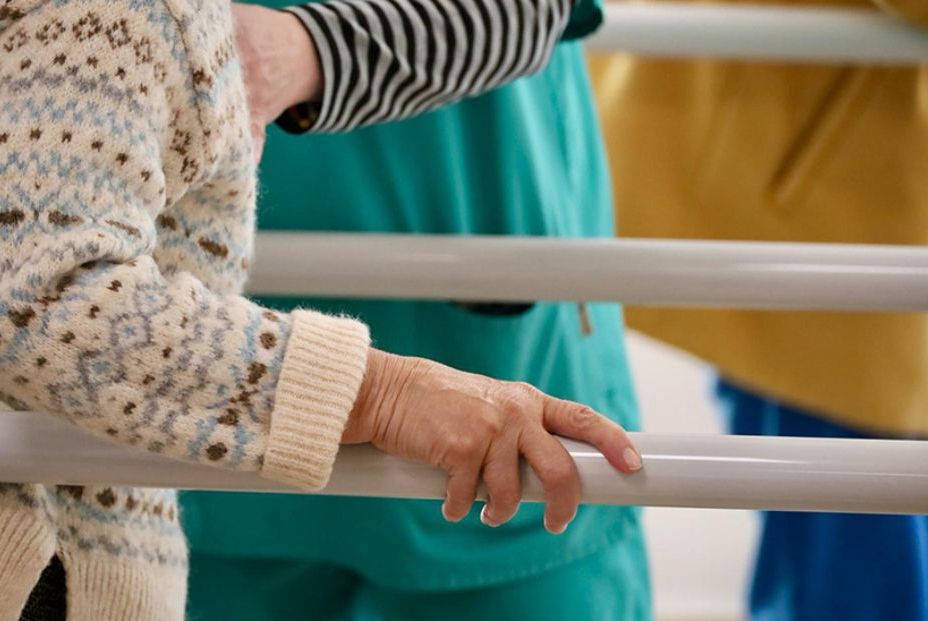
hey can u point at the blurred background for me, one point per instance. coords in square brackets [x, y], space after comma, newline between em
[700, 557]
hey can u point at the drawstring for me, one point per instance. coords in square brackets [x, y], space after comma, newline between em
[586, 325]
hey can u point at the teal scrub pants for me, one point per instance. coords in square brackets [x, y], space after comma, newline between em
[263, 589]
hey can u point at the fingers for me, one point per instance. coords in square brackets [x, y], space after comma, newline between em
[501, 477]
[461, 492]
[573, 420]
[489, 425]
[558, 475]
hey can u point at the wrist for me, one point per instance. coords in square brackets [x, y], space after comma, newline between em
[360, 426]
[302, 60]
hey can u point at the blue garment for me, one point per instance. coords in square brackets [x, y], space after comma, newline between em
[829, 566]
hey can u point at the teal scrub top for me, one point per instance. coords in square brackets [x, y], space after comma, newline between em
[525, 159]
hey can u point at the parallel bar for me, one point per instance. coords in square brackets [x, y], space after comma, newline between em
[797, 474]
[760, 33]
[636, 272]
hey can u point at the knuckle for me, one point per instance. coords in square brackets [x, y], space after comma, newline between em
[582, 417]
[522, 401]
[463, 446]
[513, 411]
[560, 473]
[491, 423]
[525, 391]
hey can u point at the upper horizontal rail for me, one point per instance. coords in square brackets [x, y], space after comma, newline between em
[798, 474]
[781, 33]
[637, 272]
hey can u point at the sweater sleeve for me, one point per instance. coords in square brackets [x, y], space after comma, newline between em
[384, 60]
[121, 125]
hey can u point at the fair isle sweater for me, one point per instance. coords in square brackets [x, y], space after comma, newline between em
[126, 223]
[127, 195]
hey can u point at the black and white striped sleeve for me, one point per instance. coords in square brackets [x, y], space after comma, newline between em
[384, 60]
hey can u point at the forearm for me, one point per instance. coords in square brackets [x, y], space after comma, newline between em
[383, 61]
[166, 365]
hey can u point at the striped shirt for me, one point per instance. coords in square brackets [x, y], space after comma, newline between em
[384, 60]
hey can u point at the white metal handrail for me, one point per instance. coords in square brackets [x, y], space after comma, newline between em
[677, 29]
[639, 272]
[798, 474]
[867, 476]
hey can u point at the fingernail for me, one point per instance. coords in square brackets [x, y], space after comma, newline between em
[632, 459]
[444, 512]
[485, 519]
[551, 530]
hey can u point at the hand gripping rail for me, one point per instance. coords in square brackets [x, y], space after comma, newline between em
[762, 32]
[867, 476]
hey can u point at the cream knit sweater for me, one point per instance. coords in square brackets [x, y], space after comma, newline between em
[126, 225]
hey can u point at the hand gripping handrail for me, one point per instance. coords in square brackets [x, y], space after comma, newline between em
[867, 476]
[761, 32]
[799, 474]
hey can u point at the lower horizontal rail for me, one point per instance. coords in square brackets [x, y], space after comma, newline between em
[732, 472]
[636, 272]
[761, 32]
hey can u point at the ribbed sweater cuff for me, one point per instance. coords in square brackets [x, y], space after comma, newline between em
[27, 543]
[102, 588]
[321, 375]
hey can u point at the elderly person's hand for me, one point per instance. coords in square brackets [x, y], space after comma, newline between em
[473, 426]
[279, 61]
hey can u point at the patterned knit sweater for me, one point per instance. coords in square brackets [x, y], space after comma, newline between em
[126, 225]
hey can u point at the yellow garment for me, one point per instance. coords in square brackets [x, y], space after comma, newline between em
[815, 153]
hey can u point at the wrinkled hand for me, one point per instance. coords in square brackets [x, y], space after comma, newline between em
[280, 64]
[473, 426]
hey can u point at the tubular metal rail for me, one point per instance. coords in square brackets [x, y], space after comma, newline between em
[781, 33]
[639, 272]
[697, 471]
[799, 474]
